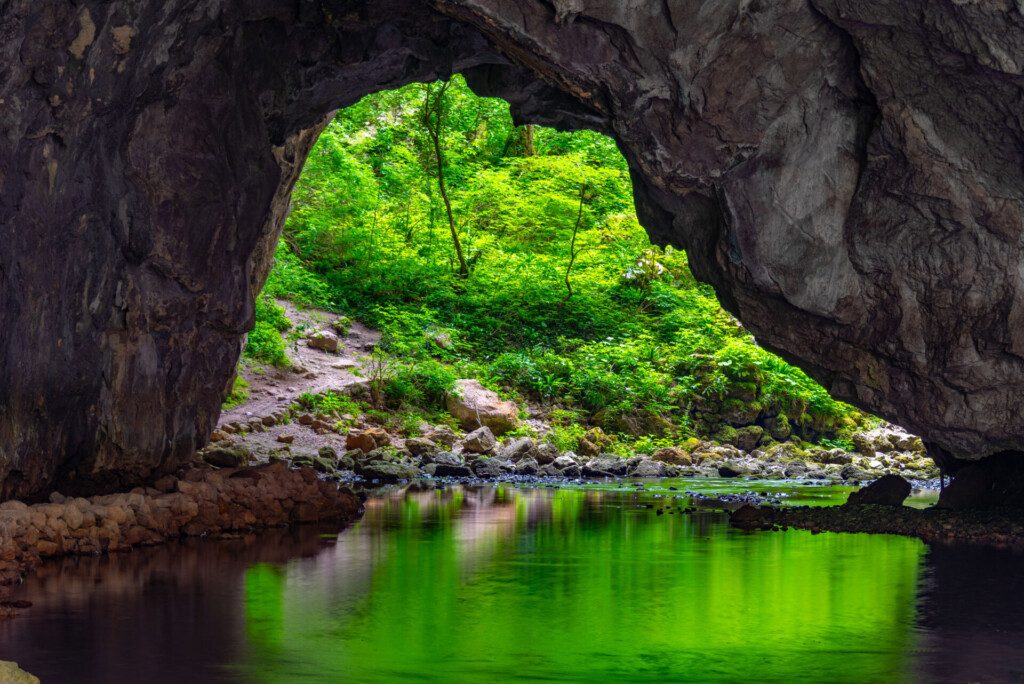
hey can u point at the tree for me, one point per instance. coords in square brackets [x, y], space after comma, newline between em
[573, 251]
[433, 120]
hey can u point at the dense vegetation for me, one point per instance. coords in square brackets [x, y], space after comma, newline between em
[513, 255]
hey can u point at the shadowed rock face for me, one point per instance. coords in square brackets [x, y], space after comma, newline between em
[849, 175]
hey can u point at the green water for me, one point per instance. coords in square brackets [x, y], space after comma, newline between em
[584, 584]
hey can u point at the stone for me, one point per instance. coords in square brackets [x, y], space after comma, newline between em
[420, 446]
[779, 428]
[647, 468]
[442, 435]
[231, 456]
[588, 448]
[367, 440]
[445, 470]
[605, 466]
[480, 441]
[747, 438]
[285, 438]
[518, 449]
[549, 470]
[487, 468]
[851, 473]
[564, 461]
[735, 468]
[673, 456]
[526, 466]
[475, 406]
[447, 458]
[889, 490]
[386, 471]
[218, 436]
[324, 340]
[545, 453]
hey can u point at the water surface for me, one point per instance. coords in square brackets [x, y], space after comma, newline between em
[496, 583]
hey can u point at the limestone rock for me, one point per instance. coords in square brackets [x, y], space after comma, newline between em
[480, 441]
[386, 471]
[673, 456]
[231, 456]
[474, 406]
[367, 440]
[324, 340]
[890, 490]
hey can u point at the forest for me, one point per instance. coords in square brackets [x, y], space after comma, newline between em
[513, 255]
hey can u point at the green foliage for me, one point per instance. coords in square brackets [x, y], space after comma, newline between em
[637, 347]
[266, 344]
[239, 393]
[329, 403]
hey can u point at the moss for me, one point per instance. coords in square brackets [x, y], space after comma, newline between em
[238, 395]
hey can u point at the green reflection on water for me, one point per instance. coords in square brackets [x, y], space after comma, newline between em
[502, 583]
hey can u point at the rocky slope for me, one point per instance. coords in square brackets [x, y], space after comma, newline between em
[849, 175]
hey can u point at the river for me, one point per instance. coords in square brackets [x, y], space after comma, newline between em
[504, 583]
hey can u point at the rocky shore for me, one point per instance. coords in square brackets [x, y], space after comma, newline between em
[349, 449]
[999, 528]
[199, 502]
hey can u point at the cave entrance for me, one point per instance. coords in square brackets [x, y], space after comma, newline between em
[512, 254]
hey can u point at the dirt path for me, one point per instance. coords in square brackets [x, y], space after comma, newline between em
[275, 389]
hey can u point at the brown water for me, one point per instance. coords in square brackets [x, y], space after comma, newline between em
[506, 584]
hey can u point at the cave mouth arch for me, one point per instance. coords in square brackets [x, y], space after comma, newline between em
[565, 301]
[153, 147]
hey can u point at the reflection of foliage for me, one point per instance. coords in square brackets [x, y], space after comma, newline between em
[595, 572]
[264, 606]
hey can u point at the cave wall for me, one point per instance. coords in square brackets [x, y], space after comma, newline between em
[848, 175]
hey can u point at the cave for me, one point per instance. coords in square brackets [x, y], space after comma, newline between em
[848, 176]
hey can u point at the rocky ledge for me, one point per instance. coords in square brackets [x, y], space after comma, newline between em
[200, 501]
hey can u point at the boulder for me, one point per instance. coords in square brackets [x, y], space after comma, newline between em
[324, 340]
[647, 468]
[890, 490]
[446, 470]
[285, 438]
[480, 441]
[228, 456]
[747, 438]
[736, 468]
[527, 466]
[605, 466]
[386, 471]
[447, 458]
[545, 453]
[442, 435]
[549, 470]
[487, 468]
[779, 427]
[673, 456]
[564, 461]
[475, 406]
[851, 473]
[367, 440]
[518, 449]
[420, 446]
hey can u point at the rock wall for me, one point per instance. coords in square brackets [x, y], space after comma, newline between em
[848, 175]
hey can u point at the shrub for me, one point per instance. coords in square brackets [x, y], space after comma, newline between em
[266, 344]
